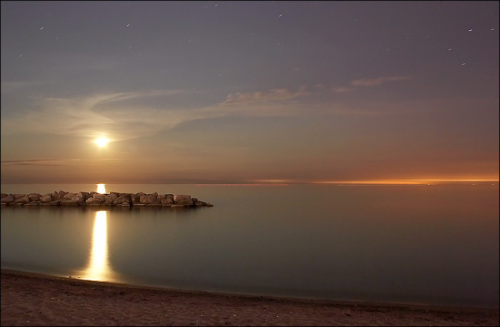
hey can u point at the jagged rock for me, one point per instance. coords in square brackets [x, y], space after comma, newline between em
[7, 199]
[21, 199]
[80, 197]
[98, 198]
[55, 195]
[34, 196]
[67, 196]
[62, 198]
[183, 200]
[110, 198]
[149, 198]
[167, 201]
[136, 198]
[122, 200]
[46, 198]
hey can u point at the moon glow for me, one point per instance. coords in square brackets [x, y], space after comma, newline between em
[101, 142]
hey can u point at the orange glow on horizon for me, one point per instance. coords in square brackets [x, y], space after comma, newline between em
[422, 181]
[245, 184]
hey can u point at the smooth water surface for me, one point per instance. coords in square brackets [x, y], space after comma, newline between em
[413, 244]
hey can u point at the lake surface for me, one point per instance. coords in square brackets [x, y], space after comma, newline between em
[434, 244]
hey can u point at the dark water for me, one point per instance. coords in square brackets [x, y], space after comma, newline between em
[412, 244]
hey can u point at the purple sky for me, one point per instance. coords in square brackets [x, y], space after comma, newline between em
[243, 92]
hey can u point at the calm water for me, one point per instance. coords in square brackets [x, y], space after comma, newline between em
[412, 244]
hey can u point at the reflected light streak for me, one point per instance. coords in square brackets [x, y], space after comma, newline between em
[98, 267]
[101, 188]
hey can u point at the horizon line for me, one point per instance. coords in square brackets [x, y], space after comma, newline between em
[420, 181]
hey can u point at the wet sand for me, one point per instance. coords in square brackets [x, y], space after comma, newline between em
[33, 299]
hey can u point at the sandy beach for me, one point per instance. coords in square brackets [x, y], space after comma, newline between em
[33, 299]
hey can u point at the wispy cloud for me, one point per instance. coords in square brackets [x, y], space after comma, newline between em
[131, 115]
[342, 89]
[94, 115]
[378, 80]
[281, 94]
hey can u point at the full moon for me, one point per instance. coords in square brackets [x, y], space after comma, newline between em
[101, 142]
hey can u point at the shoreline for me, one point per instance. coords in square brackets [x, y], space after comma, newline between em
[38, 299]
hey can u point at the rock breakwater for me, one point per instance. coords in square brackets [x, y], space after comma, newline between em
[63, 198]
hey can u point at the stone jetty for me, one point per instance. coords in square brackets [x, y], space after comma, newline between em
[63, 198]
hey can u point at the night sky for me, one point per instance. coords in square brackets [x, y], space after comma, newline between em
[249, 92]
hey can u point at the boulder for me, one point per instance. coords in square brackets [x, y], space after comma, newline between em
[46, 198]
[21, 199]
[73, 198]
[67, 196]
[167, 202]
[96, 199]
[149, 198]
[183, 200]
[136, 198]
[85, 196]
[55, 195]
[110, 198]
[122, 199]
[80, 197]
[34, 196]
[7, 199]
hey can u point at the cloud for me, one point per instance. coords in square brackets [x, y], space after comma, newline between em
[378, 80]
[131, 115]
[96, 114]
[342, 89]
[274, 95]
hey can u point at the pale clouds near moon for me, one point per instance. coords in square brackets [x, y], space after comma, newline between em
[113, 114]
